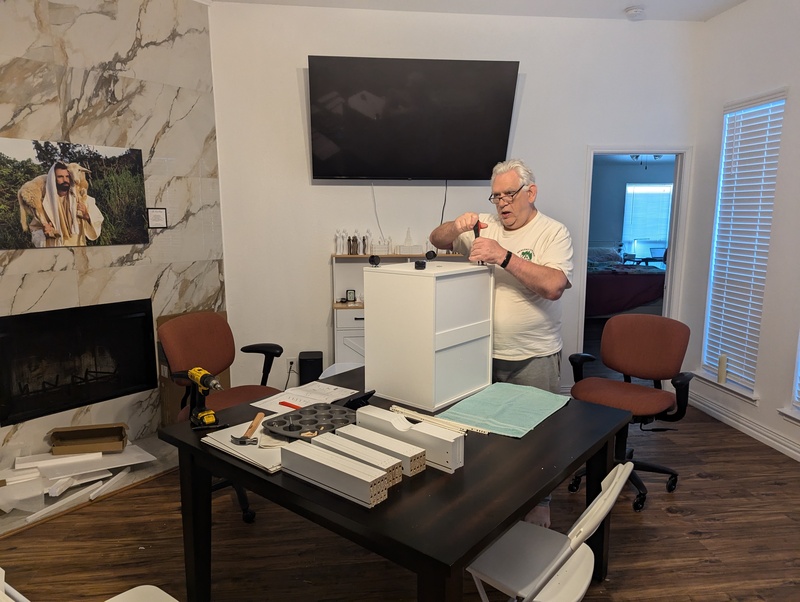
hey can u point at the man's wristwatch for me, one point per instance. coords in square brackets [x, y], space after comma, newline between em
[506, 260]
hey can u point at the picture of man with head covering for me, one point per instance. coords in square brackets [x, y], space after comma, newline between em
[64, 215]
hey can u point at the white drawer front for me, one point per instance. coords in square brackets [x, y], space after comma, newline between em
[349, 318]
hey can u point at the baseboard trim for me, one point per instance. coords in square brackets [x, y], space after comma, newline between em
[757, 431]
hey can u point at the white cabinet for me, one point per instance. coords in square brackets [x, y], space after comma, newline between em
[347, 273]
[349, 334]
[428, 332]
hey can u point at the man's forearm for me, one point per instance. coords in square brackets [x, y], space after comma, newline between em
[444, 236]
[545, 281]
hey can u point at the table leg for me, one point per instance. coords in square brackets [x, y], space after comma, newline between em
[597, 467]
[436, 587]
[196, 516]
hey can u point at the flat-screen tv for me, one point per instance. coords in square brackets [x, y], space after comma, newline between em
[409, 119]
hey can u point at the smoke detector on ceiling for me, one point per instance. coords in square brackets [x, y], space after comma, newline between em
[635, 13]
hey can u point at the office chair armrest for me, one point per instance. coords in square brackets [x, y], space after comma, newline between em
[270, 351]
[681, 384]
[682, 380]
[577, 360]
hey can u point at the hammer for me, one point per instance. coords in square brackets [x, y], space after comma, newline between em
[247, 438]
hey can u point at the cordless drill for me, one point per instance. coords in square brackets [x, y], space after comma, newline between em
[201, 416]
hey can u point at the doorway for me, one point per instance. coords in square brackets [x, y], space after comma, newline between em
[633, 205]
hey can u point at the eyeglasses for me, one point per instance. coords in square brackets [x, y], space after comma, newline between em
[506, 197]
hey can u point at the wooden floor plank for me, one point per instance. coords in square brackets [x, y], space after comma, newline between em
[730, 532]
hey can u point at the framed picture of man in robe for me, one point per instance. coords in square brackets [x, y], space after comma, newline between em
[59, 194]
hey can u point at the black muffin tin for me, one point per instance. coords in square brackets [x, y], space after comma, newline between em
[310, 421]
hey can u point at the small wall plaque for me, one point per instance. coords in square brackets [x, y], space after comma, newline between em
[156, 218]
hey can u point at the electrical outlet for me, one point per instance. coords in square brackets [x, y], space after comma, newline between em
[291, 365]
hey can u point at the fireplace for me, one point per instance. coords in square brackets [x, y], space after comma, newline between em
[68, 358]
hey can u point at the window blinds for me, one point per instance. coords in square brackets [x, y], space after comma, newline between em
[745, 196]
[646, 218]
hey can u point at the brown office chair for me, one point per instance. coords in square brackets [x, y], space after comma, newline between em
[646, 347]
[204, 340]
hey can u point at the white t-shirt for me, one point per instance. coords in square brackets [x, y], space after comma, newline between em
[525, 324]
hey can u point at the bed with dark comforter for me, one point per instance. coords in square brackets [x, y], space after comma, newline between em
[613, 287]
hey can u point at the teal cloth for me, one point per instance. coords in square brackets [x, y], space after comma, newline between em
[506, 409]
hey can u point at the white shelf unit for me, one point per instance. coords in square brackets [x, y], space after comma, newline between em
[347, 273]
[428, 332]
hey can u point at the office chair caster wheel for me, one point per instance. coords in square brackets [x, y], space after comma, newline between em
[638, 503]
[249, 516]
[574, 485]
[672, 483]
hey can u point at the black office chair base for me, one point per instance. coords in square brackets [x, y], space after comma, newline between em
[672, 483]
[622, 454]
[248, 516]
[634, 479]
[641, 496]
[641, 491]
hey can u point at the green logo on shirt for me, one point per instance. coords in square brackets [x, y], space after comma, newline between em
[526, 254]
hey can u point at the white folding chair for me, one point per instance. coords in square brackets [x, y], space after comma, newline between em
[143, 593]
[535, 564]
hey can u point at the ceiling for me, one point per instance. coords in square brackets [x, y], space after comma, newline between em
[654, 10]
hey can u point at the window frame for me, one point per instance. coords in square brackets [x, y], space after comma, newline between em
[738, 264]
[648, 191]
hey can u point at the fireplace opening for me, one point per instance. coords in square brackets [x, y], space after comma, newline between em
[68, 358]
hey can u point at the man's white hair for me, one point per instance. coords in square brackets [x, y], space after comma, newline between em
[524, 172]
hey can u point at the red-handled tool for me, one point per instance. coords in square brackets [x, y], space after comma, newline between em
[289, 404]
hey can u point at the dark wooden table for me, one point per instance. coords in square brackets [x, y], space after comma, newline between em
[433, 523]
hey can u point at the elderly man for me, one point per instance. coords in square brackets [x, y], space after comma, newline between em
[70, 220]
[535, 254]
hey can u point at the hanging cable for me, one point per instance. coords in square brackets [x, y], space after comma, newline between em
[444, 203]
[375, 207]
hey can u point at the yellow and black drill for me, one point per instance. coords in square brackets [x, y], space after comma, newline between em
[201, 416]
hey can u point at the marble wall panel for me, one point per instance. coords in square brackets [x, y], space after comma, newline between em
[187, 134]
[192, 286]
[38, 291]
[35, 260]
[195, 229]
[26, 33]
[30, 105]
[123, 73]
[141, 412]
[168, 43]
[175, 45]
[100, 107]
